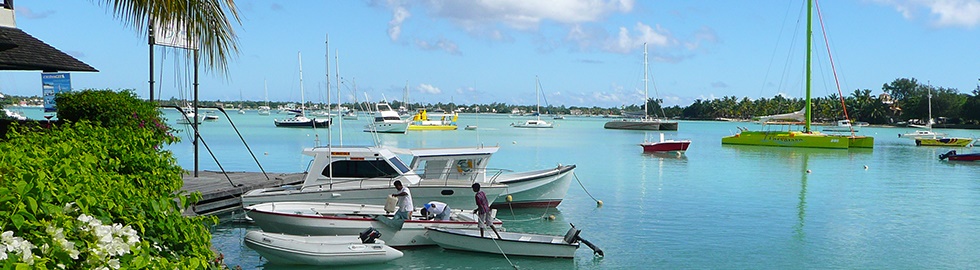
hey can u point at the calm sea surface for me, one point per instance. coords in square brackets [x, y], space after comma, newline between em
[717, 206]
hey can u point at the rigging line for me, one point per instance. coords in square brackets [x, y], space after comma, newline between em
[832, 68]
[773, 57]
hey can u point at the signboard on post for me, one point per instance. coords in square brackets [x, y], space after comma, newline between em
[53, 83]
[172, 35]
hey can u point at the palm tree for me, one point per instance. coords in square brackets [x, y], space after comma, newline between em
[205, 22]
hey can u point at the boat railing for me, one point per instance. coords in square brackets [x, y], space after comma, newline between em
[330, 182]
[472, 176]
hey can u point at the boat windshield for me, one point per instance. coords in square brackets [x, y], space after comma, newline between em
[361, 169]
[398, 163]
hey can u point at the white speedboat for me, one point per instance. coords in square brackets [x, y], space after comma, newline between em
[386, 120]
[510, 243]
[922, 134]
[841, 126]
[538, 188]
[365, 175]
[308, 218]
[321, 250]
[301, 121]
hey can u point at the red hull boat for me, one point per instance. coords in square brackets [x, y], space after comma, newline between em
[951, 155]
[666, 145]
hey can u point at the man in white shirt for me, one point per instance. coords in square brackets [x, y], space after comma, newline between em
[405, 206]
[436, 210]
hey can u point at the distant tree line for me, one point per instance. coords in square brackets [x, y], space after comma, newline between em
[903, 100]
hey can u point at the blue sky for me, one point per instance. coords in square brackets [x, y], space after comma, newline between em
[585, 52]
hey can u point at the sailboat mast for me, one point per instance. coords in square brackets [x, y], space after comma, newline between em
[809, 36]
[266, 83]
[929, 121]
[326, 62]
[537, 98]
[302, 94]
[340, 119]
[646, 91]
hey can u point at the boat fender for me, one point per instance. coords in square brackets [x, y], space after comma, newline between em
[368, 236]
[390, 204]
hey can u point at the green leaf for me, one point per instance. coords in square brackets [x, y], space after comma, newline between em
[18, 220]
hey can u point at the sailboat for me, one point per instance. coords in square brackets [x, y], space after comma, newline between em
[265, 109]
[930, 138]
[536, 123]
[300, 120]
[805, 138]
[645, 123]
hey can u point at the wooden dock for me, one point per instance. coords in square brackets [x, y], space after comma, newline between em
[219, 195]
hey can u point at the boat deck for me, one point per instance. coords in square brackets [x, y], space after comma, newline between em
[220, 195]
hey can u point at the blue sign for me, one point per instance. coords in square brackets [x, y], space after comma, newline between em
[52, 84]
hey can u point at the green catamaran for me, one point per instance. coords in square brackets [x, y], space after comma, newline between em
[804, 138]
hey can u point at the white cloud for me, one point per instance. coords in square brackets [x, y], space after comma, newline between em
[440, 45]
[398, 16]
[626, 41]
[522, 14]
[952, 13]
[719, 84]
[26, 12]
[429, 89]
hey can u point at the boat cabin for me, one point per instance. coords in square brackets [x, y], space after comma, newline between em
[468, 164]
[344, 164]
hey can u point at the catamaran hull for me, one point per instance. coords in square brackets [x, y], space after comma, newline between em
[543, 188]
[303, 124]
[334, 219]
[798, 139]
[457, 196]
[318, 250]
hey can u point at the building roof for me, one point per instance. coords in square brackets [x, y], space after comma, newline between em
[21, 51]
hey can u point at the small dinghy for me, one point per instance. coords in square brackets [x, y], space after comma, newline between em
[321, 250]
[511, 243]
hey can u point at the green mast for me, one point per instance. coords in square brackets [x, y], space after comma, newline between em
[809, 35]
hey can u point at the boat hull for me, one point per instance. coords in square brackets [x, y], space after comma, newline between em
[668, 125]
[521, 244]
[666, 146]
[432, 127]
[953, 142]
[787, 139]
[387, 127]
[543, 188]
[632, 125]
[301, 218]
[318, 250]
[458, 196]
[303, 124]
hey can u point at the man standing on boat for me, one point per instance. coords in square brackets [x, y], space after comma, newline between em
[436, 210]
[482, 211]
[405, 206]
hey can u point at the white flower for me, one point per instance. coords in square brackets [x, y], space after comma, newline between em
[84, 218]
[61, 265]
[3, 255]
[114, 263]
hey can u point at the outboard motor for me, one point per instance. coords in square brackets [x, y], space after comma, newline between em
[946, 155]
[368, 236]
[572, 236]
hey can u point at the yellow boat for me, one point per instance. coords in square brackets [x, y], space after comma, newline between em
[437, 120]
[943, 141]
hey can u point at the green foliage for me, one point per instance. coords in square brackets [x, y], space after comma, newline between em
[59, 185]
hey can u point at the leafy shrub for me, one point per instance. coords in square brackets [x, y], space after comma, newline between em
[88, 195]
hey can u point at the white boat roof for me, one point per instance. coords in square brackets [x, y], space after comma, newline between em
[351, 151]
[453, 151]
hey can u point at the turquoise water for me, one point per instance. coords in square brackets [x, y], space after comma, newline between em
[718, 206]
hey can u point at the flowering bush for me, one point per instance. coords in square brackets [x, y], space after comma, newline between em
[87, 195]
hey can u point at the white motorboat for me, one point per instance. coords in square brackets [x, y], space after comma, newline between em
[366, 175]
[309, 218]
[841, 126]
[922, 134]
[538, 188]
[386, 120]
[321, 250]
[437, 119]
[510, 243]
[210, 116]
[13, 115]
[189, 116]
